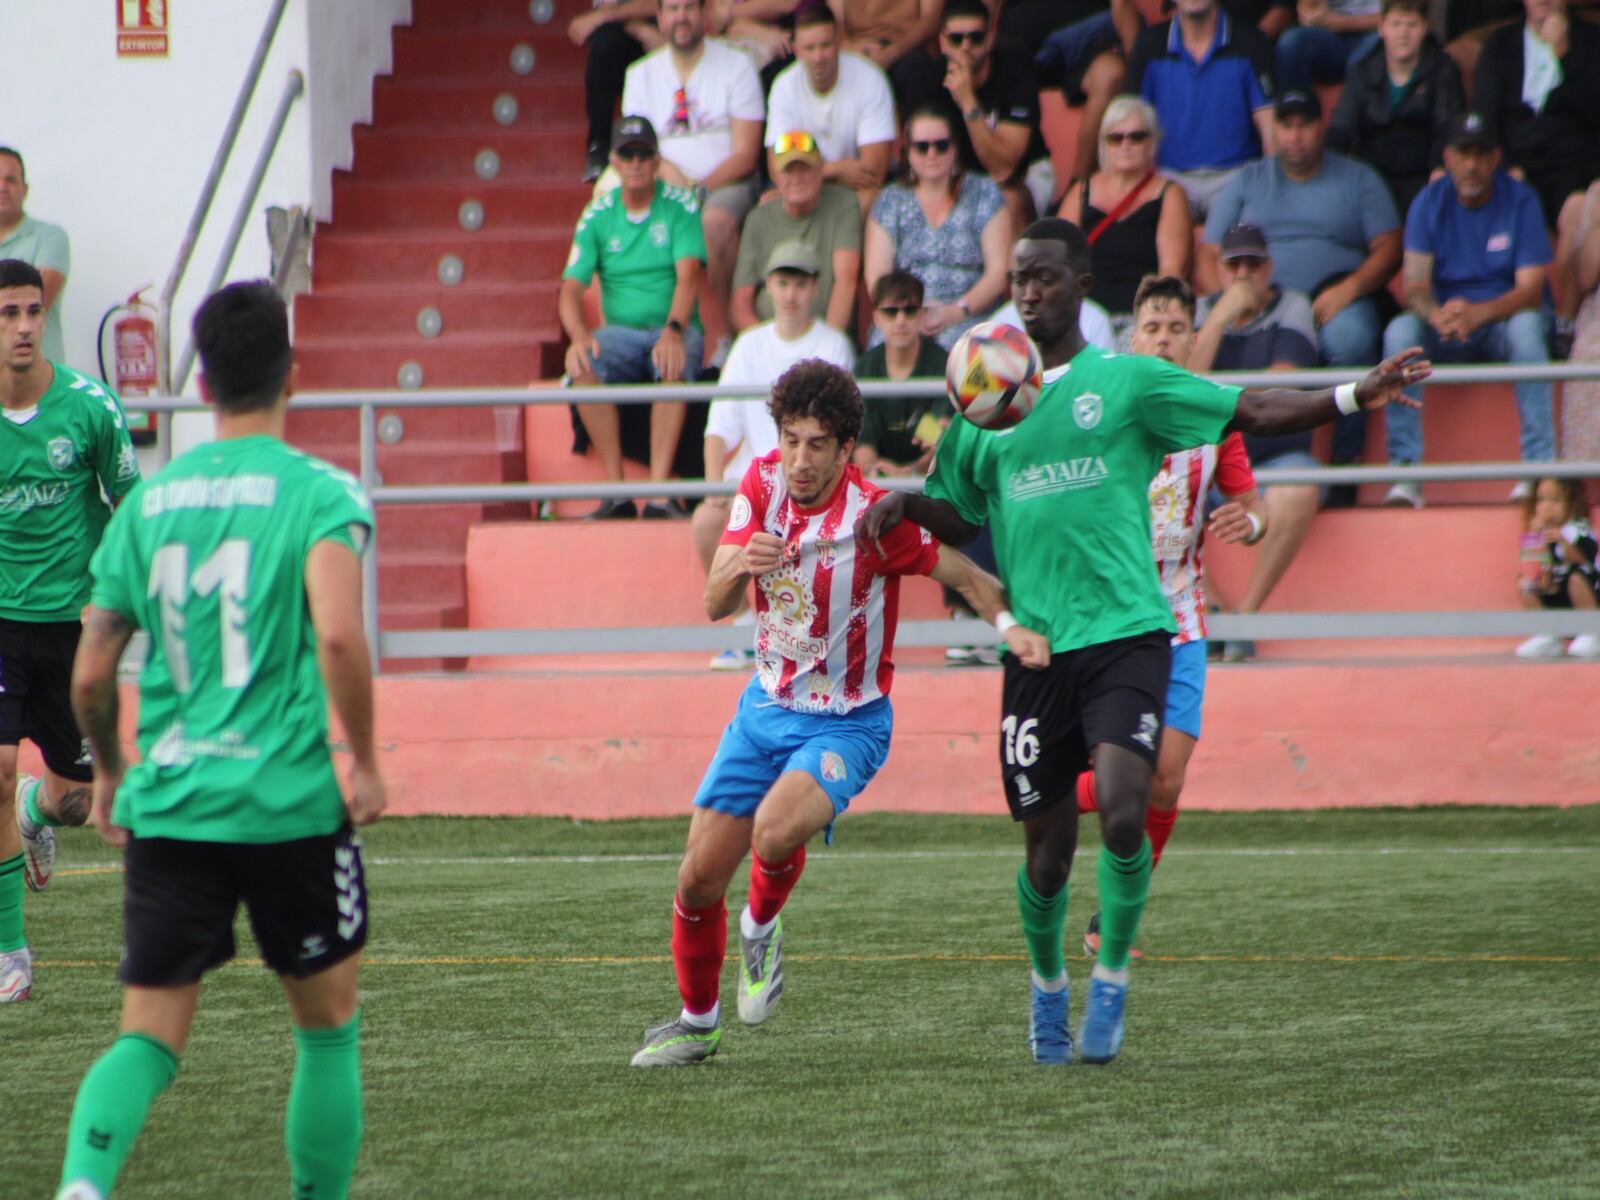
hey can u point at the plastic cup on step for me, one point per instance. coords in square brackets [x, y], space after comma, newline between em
[522, 59]
[470, 214]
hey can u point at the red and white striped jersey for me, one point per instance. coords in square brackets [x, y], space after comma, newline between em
[1177, 526]
[825, 619]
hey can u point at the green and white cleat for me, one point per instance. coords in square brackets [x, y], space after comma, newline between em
[677, 1044]
[760, 974]
[38, 851]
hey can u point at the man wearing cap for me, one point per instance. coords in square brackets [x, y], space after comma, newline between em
[738, 430]
[644, 239]
[1476, 252]
[1336, 237]
[824, 215]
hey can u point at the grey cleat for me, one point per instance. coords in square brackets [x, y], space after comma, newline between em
[38, 851]
[16, 976]
[677, 1044]
[760, 974]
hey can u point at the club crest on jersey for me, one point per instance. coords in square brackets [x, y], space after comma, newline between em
[833, 768]
[1087, 410]
[62, 453]
[658, 234]
[826, 553]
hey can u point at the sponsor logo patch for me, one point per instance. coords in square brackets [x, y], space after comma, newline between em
[739, 517]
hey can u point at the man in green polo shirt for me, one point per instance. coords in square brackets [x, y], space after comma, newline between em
[644, 239]
[40, 243]
[64, 451]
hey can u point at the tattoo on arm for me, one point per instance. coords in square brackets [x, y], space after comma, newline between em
[105, 636]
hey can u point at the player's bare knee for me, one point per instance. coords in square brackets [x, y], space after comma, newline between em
[1165, 788]
[1122, 828]
[698, 887]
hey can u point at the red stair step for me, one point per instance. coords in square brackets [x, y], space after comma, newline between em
[393, 311]
[484, 54]
[388, 258]
[553, 154]
[545, 98]
[337, 363]
[433, 208]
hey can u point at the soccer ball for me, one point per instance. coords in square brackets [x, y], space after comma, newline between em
[993, 375]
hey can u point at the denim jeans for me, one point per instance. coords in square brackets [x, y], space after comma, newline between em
[625, 354]
[1307, 56]
[1521, 339]
[1351, 339]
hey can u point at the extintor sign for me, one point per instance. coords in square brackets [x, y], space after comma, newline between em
[141, 28]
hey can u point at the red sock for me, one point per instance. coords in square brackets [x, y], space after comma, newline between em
[699, 943]
[1086, 800]
[771, 883]
[1158, 825]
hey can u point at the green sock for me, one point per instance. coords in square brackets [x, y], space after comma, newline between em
[112, 1102]
[11, 905]
[1124, 884]
[323, 1125]
[30, 805]
[1042, 922]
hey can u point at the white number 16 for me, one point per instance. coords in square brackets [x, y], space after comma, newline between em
[1022, 743]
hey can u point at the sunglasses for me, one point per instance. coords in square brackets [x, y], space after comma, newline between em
[1244, 262]
[894, 310]
[797, 142]
[973, 37]
[936, 146]
[1134, 136]
[636, 153]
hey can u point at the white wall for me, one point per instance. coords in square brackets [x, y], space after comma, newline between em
[117, 149]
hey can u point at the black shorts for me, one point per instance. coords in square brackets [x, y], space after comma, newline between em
[36, 693]
[1110, 694]
[307, 901]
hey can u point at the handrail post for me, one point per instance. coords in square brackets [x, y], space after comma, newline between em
[369, 561]
[295, 232]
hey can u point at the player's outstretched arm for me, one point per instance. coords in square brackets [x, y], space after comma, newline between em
[938, 517]
[987, 595]
[333, 592]
[1271, 411]
[733, 568]
[94, 702]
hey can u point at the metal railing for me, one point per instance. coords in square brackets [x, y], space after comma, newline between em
[449, 643]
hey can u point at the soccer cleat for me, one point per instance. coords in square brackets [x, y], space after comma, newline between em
[1540, 645]
[760, 974]
[733, 660]
[677, 1044]
[1049, 1039]
[16, 976]
[80, 1189]
[1100, 1035]
[38, 851]
[1091, 940]
[1585, 645]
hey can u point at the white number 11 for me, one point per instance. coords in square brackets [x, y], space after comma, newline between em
[227, 568]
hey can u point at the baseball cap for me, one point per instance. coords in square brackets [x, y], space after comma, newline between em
[1472, 128]
[1243, 241]
[1298, 104]
[634, 131]
[793, 255]
[796, 146]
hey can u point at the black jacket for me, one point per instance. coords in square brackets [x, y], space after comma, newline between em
[1403, 144]
[1565, 137]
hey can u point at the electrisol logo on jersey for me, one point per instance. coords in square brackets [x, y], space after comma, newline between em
[788, 616]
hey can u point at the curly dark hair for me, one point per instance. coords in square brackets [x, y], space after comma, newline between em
[814, 388]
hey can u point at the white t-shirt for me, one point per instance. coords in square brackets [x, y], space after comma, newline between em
[858, 112]
[758, 357]
[723, 88]
[1093, 323]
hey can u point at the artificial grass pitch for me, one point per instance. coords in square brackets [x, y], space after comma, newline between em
[1382, 1003]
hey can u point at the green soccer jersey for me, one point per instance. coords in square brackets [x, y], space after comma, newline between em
[57, 467]
[1066, 491]
[637, 257]
[209, 556]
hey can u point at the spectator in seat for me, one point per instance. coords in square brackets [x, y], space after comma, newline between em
[1209, 79]
[1081, 47]
[705, 101]
[739, 430]
[644, 239]
[1135, 219]
[1580, 398]
[899, 433]
[1254, 324]
[40, 244]
[1475, 260]
[1397, 102]
[893, 33]
[993, 99]
[844, 101]
[947, 227]
[1331, 35]
[1336, 237]
[823, 215]
[614, 34]
[1558, 548]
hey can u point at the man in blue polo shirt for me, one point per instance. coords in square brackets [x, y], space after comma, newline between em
[1475, 260]
[1210, 81]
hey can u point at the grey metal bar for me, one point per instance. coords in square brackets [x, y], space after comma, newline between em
[291, 247]
[1283, 627]
[208, 190]
[293, 88]
[369, 560]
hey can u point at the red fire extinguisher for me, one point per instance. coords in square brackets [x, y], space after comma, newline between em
[134, 354]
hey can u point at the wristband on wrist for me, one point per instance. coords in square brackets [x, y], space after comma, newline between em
[1255, 529]
[1003, 621]
[1344, 399]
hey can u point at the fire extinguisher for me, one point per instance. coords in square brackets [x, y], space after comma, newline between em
[134, 352]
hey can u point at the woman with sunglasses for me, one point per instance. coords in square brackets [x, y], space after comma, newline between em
[948, 228]
[1137, 221]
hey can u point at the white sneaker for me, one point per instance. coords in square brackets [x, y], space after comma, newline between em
[733, 660]
[1540, 645]
[1403, 495]
[38, 851]
[16, 976]
[1585, 645]
[1520, 491]
[959, 656]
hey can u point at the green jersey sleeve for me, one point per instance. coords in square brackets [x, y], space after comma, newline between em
[113, 457]
[115, 578]
[688, 237]
[1180, 410]
[954, 477]
[583, 260]
[339, 511]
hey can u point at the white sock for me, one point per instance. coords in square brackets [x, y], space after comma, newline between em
[750, 929]
[705, 1020]
[1057, 984]
[1106, 975]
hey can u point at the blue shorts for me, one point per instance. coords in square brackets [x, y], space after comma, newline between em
[1186, 687]
[841, 751]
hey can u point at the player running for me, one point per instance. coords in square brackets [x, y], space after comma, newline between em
[241, 561]
[1163, 327]
[1066, 493]
[813, 726]
[64, 449]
